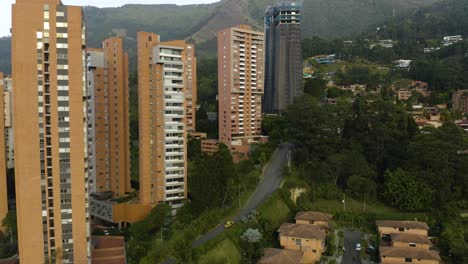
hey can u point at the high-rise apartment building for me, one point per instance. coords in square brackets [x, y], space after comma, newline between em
[240, 86]
[8, 107]
[283, 70]
[49, 114]
[162, 120]
[3, 179]
[108, 119]
[190, 82]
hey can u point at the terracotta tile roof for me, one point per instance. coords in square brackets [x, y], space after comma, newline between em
[414, 253]
[280, 256]
[108, 250]
[410, 238]
[402, 224]
[302, 231]
[313, 216]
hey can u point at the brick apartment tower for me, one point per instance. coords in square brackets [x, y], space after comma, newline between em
[108, 119]
[283, 67]
[240, 86]
[190, 75]
[49, 113]
[162, 121]
[3, 179]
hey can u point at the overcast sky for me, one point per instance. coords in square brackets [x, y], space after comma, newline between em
[5, 7]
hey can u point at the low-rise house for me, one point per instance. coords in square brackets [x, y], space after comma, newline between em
[403, 240]
[313, 218]
[386, 227]
[209, 145]
[401, 255]
[463, 124]
[404, 95]
[281, 256]
[108, 250]
[309, 239]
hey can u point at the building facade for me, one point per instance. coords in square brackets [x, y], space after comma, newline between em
[7, 97]
[283, 70]
[49, 113]
[460, 101]
[3, 175]
[240, 86]
[162, 120]
[190, 82]
[108, 118]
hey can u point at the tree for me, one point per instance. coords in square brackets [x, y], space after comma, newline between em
[251, 244]
[406, 192]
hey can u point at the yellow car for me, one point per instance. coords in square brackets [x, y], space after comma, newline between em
[228, 224]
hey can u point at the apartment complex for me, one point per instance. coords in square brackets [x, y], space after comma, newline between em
[162, 84]
[406, 242]
[240, 86]
[460, 100]
[283, 70]
[49, 113]
[108, 119]
[3, 177]
[190, 83]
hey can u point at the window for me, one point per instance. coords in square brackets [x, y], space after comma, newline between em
[412, 244]
[401, 229]
[408, 260]
[298, 242]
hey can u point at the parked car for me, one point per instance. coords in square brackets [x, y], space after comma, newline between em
[358, 247]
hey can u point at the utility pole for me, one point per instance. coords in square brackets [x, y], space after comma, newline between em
[344, 202]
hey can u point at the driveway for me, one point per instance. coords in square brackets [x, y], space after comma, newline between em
[351, 255]
[272, 178]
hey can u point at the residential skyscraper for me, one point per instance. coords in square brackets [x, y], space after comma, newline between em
[162, 120]
[108, 119]
[283, 74]
[49, 113]
[8, 107]
[3, 178]
[190, 80]
[240, 86]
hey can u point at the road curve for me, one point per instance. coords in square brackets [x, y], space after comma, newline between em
[271, 180]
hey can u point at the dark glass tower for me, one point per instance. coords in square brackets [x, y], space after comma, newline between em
[283, 74]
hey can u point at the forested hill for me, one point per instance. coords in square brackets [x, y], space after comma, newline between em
[199, 23]
[447, 17]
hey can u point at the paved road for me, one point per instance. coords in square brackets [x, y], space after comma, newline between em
[272, 178]
[351, 256]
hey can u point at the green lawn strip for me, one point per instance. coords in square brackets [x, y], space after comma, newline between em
[224, 252]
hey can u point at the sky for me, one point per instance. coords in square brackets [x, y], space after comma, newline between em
[5, 7]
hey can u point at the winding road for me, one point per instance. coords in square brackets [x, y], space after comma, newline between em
[272, 178]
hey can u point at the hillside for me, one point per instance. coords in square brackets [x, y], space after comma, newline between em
[199, 23]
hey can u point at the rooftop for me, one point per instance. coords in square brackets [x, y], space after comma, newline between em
[108, 250]
[302, 231]
[313, 216]
[280, 256]
[415, 253]
[410, 238]
[402, 224]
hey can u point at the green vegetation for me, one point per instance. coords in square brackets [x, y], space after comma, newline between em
[9, 239]
[372, 151]
[224, 252]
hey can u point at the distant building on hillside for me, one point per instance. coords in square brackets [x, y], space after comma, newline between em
[283, 64]
[450, 40]
[403, 64]
[460, 100]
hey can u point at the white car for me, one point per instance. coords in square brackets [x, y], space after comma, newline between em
[358, 247]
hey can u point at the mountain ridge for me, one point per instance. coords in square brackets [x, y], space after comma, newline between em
[199, 23]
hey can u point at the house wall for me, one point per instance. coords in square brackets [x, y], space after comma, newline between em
[388, 230]
[312, 248]
[406, 245]
[392, 260]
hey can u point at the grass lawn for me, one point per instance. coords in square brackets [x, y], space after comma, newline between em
[275, 210]
[225, 252]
